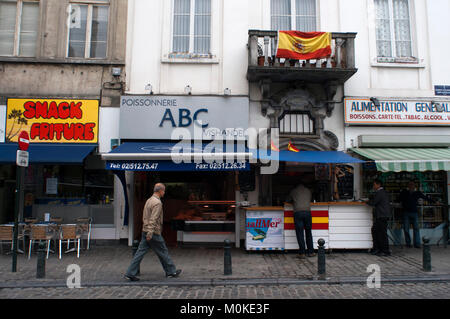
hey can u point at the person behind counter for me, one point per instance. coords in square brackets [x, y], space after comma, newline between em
[409, 198]
[151, 237]
[381, 213]
[301, 198]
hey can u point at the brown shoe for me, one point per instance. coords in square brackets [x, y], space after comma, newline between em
[311, 255]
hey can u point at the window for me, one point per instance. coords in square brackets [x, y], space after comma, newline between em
[192, 27]
[19, 25]
[393, 31]
[297, 15]
[88, 29]
[298, 123]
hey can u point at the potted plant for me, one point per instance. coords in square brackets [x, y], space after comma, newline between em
[261, 57]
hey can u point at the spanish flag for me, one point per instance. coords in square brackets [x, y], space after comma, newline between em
[273, 147]
[303, 45]
[292, 148]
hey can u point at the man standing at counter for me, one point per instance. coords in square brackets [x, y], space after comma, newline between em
[381, 213]
[301, 198]
[151, 236]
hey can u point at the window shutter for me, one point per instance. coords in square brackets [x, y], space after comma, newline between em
[99, 33]
[280, 14]
[181, 25]
[383, 28]
[202, 26]
[77, 35]
[402, 28]
[306, 15]
[29, 27]
[7, 27]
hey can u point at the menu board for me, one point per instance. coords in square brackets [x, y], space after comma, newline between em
[343, 175]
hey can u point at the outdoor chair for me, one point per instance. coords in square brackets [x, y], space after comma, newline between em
[54, 226]
[69, 232]
[40, 232]
[27, 227]
[85, 225]
[6, 234]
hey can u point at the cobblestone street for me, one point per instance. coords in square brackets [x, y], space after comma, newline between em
[344, 291]
[107, 264]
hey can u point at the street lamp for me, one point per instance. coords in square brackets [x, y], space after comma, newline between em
[375, 101]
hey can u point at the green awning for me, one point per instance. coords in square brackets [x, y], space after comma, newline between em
[407, 159]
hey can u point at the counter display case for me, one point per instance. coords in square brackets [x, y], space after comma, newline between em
[206, 222]
[342, 224]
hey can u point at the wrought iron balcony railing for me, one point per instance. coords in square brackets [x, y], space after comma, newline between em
[263, 64]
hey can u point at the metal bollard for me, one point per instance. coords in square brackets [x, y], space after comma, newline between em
[321, 258]
[42, 252]
[134, 249]
[426, 254]
[227, 257]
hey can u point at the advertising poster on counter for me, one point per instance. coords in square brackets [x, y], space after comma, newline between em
[53, 120]
[264, 230]
[362, 111]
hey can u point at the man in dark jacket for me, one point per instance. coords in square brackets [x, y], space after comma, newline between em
[409, 198]
[381, 214]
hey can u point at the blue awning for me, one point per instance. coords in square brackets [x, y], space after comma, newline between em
[319, 157]
[48, 153]
[177, 156]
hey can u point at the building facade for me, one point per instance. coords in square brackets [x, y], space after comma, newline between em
[66, 59]
[390, 50]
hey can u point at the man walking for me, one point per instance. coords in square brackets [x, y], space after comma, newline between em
[151, 237]
[301, 198]
[409, 198]
[381, 214]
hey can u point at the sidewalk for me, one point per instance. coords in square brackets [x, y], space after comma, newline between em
[105, 266]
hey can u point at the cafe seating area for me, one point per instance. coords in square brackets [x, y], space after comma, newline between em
[52, 231]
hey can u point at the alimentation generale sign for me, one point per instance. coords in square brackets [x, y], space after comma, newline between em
[362, 111]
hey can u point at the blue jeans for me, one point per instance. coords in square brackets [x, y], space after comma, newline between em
[411, 218]
[158, 245]
[303, 222]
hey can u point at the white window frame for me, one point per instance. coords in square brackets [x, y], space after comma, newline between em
[19, 11]
[190, 52]
[170, 57]
[394, 58]
[294, 15]
[296, 123]
[88, 40]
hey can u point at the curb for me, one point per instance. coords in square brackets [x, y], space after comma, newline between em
[236, 282]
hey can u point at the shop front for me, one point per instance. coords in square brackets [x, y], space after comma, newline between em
[64, 179]
[193, 145]
[428, 168]
[404, 141]
[338, 216]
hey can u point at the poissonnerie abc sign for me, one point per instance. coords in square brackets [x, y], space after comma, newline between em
[156, 117]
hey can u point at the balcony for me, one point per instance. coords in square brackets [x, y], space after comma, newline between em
[263, 65]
